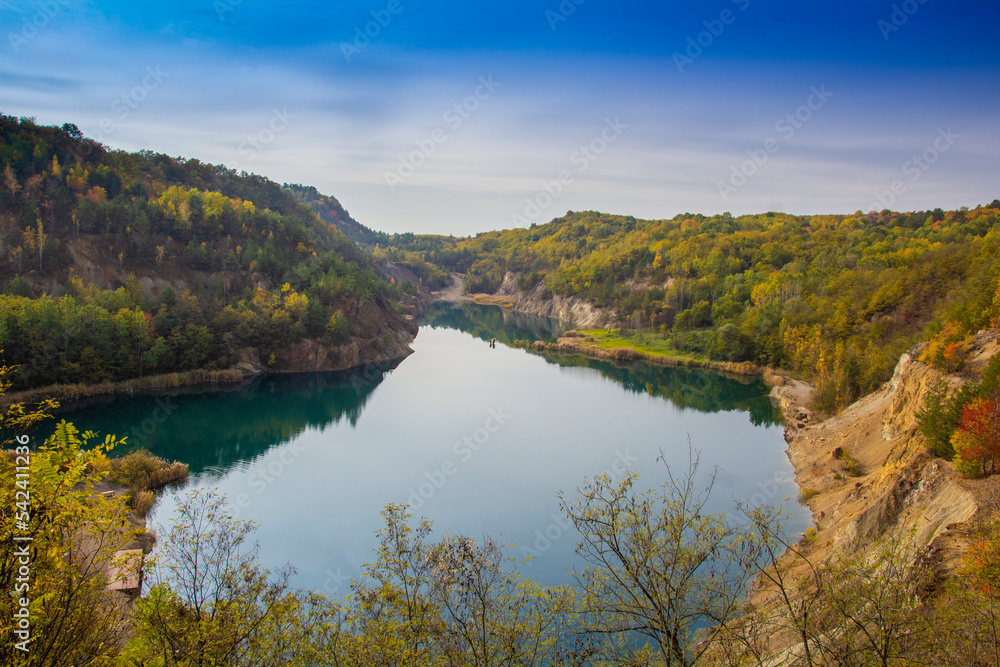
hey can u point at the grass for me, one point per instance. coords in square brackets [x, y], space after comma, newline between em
[807, 493]
[142, 471]
[642, 342]
[142, 502]
[73, 392]
[658, 347]
[851, 465]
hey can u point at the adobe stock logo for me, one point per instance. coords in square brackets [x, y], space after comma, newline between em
[160, 414]
[464, 449]
[581, 159]
[915, 168]
[899, 17]
[454, 116]
[363, 35]
[255, 143]
[786, 127]
[697, 44]
[546, 537]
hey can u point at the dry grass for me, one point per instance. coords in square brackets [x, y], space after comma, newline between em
[142, 502]
[174, 473]
[142, 471]
[772, 379]
[74, 392]
[807, 493]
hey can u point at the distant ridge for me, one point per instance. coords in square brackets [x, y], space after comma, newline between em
[332, 212]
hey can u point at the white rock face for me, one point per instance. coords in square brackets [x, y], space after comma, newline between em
[571, 309]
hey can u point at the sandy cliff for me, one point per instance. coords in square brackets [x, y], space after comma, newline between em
[867, 472]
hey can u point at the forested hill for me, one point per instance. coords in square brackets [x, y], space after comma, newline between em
[330, 211]
[117, 265]
[833, 298]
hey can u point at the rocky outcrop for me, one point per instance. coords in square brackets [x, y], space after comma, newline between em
[867, 472]
[414, 305]
[379, 334]
[538, 302]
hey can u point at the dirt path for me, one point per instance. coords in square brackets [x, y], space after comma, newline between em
[454, 293]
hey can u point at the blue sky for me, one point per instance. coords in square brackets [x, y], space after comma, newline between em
[458, 117]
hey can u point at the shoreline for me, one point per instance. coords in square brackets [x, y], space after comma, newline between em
[567, 345]
[69, 394]
[152, 385]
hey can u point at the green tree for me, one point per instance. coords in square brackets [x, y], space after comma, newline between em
[74, 533]
[456, 601]
[660, 566]
[212, 603]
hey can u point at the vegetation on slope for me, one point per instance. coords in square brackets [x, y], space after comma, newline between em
[118, 265]
[833, 298]
[331, 212]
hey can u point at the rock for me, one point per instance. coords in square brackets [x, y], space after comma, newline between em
[539, 301]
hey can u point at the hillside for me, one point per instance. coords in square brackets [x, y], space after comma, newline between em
[886, 507]
[119, 265]
[835, 299]
[331, 212]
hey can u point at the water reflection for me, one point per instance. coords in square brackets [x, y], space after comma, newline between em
[686, 388]
[491, 322]
[215, 429]
[313, 459]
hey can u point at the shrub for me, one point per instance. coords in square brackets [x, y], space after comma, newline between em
[143, 471]
[142, 502]
[807, 493]
[174, 473]
[939, 419]
[851, 465]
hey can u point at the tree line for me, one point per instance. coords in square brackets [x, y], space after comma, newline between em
[835, 299]
[262, 270]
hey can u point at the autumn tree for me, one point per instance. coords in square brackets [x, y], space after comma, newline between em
[660, 565]
[967, 617]
[455, 601]
[212, 603]
[861, 606]
[977, 440]
[47, 493]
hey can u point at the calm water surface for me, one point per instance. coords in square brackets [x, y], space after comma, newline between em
[477, 439]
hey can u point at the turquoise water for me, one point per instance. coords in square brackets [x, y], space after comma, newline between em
[477, 439]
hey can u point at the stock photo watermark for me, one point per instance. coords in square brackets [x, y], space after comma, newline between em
[454, 117]
[263, 473]
[22, 538]
[363, 35]
[124, 105]
[464, 450]
[160, 414]
[697, 44]
[915, 168]
[35, 23]
[786, 127]
[257, 142]
[546, 537]
[335, 582]
[899, 17]
[580, 160]
[223, 7]
[562, 12]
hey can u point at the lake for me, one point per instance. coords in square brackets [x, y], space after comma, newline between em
[478, 439]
